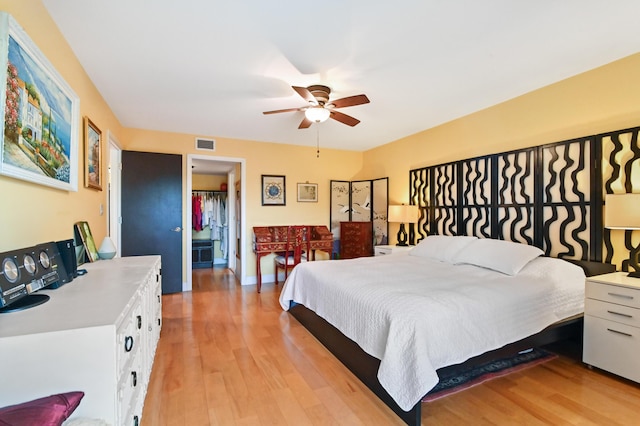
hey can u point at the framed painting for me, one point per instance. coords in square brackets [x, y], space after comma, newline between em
[84, 232]
[307, 192]
[92, 155]
[273, 190]
[40, 111]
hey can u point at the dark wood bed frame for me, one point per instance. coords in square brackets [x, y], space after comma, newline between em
[365, 366]
[532, 196]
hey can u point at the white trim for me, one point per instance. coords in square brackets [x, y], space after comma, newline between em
[114, 187]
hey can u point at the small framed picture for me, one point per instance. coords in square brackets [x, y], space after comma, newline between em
[273, 190]
[307, 192]
[92, 155]
[84, 232]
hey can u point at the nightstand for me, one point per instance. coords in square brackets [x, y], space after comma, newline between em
[612, 324]
[384, 250]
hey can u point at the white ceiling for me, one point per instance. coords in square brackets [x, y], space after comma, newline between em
[210, 67]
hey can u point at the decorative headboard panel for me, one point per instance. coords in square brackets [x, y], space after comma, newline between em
[545, 196]
[550, 196]
[620, 174]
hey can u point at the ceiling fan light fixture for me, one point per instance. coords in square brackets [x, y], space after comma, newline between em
[317, 114]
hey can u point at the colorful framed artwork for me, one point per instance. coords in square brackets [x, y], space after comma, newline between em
[307, 192]
[40, 111]
[273, 190]
[92, 155]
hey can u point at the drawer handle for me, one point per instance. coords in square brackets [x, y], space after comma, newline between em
[620, 314]
[158, 321]
[139, 318]
[128, 343]
[136, 421]
[624, 296]
[134, 378]
[620, 332]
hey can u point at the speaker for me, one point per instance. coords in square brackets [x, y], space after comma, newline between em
[68, 257]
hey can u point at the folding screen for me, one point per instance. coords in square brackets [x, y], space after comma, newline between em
[360, 201]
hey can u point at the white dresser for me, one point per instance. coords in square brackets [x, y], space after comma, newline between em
[97, 334]
[612, 324]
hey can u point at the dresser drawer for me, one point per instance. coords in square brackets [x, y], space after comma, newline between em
[129, 337]
[613, 294]
[130, 389]
[612, 312]
[612, 346]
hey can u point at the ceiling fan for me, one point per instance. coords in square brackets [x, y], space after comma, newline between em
[320, 108]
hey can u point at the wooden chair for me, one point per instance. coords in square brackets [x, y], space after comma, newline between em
[297, 249]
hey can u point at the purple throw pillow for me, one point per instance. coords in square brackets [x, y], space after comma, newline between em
[48, 411]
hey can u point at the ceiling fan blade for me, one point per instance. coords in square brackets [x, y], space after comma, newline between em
[305, 93]
[350, 101]
[305, 123]
[282, 110]
[344, 118]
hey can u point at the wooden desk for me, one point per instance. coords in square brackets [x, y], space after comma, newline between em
[271, 239]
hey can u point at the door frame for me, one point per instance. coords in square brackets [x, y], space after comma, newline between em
[114, 191]
[240, 269]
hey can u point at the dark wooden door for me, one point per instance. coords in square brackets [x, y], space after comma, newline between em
[152, 211]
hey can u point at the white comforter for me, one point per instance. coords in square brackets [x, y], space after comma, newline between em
[417, 315]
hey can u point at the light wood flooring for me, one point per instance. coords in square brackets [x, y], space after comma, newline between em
[230, 356]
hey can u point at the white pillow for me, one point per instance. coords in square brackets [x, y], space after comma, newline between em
[502, 256]
[441, 247]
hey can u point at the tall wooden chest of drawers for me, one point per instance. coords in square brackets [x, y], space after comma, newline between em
[356, 239]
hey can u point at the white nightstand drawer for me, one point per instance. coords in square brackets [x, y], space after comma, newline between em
[381, 250]
[390, 249]
[613, 294]
[612, 312]
[612, 346]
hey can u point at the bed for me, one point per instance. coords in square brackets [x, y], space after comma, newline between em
[448, 300]
[547, 198]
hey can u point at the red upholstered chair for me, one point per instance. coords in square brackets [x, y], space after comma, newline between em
[297, 249]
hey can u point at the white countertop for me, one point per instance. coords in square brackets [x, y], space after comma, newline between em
[91, 300]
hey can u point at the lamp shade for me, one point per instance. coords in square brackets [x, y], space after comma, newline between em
[317, 114]
[622, 211]
[403, 214]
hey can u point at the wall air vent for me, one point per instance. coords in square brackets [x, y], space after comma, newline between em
[206, 144]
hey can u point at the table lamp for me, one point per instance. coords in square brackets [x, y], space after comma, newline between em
[403, 214]
[622, 211]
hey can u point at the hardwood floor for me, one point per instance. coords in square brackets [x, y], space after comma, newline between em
[230, 356]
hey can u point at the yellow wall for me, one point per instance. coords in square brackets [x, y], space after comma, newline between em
[207, 182]
[601, 100]
[297, 163]
[32, 213]
[604, 99]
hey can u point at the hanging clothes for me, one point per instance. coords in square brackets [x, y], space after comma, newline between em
[196, 208]
[210, 210]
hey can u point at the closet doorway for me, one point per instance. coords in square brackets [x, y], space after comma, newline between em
[225, 238]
